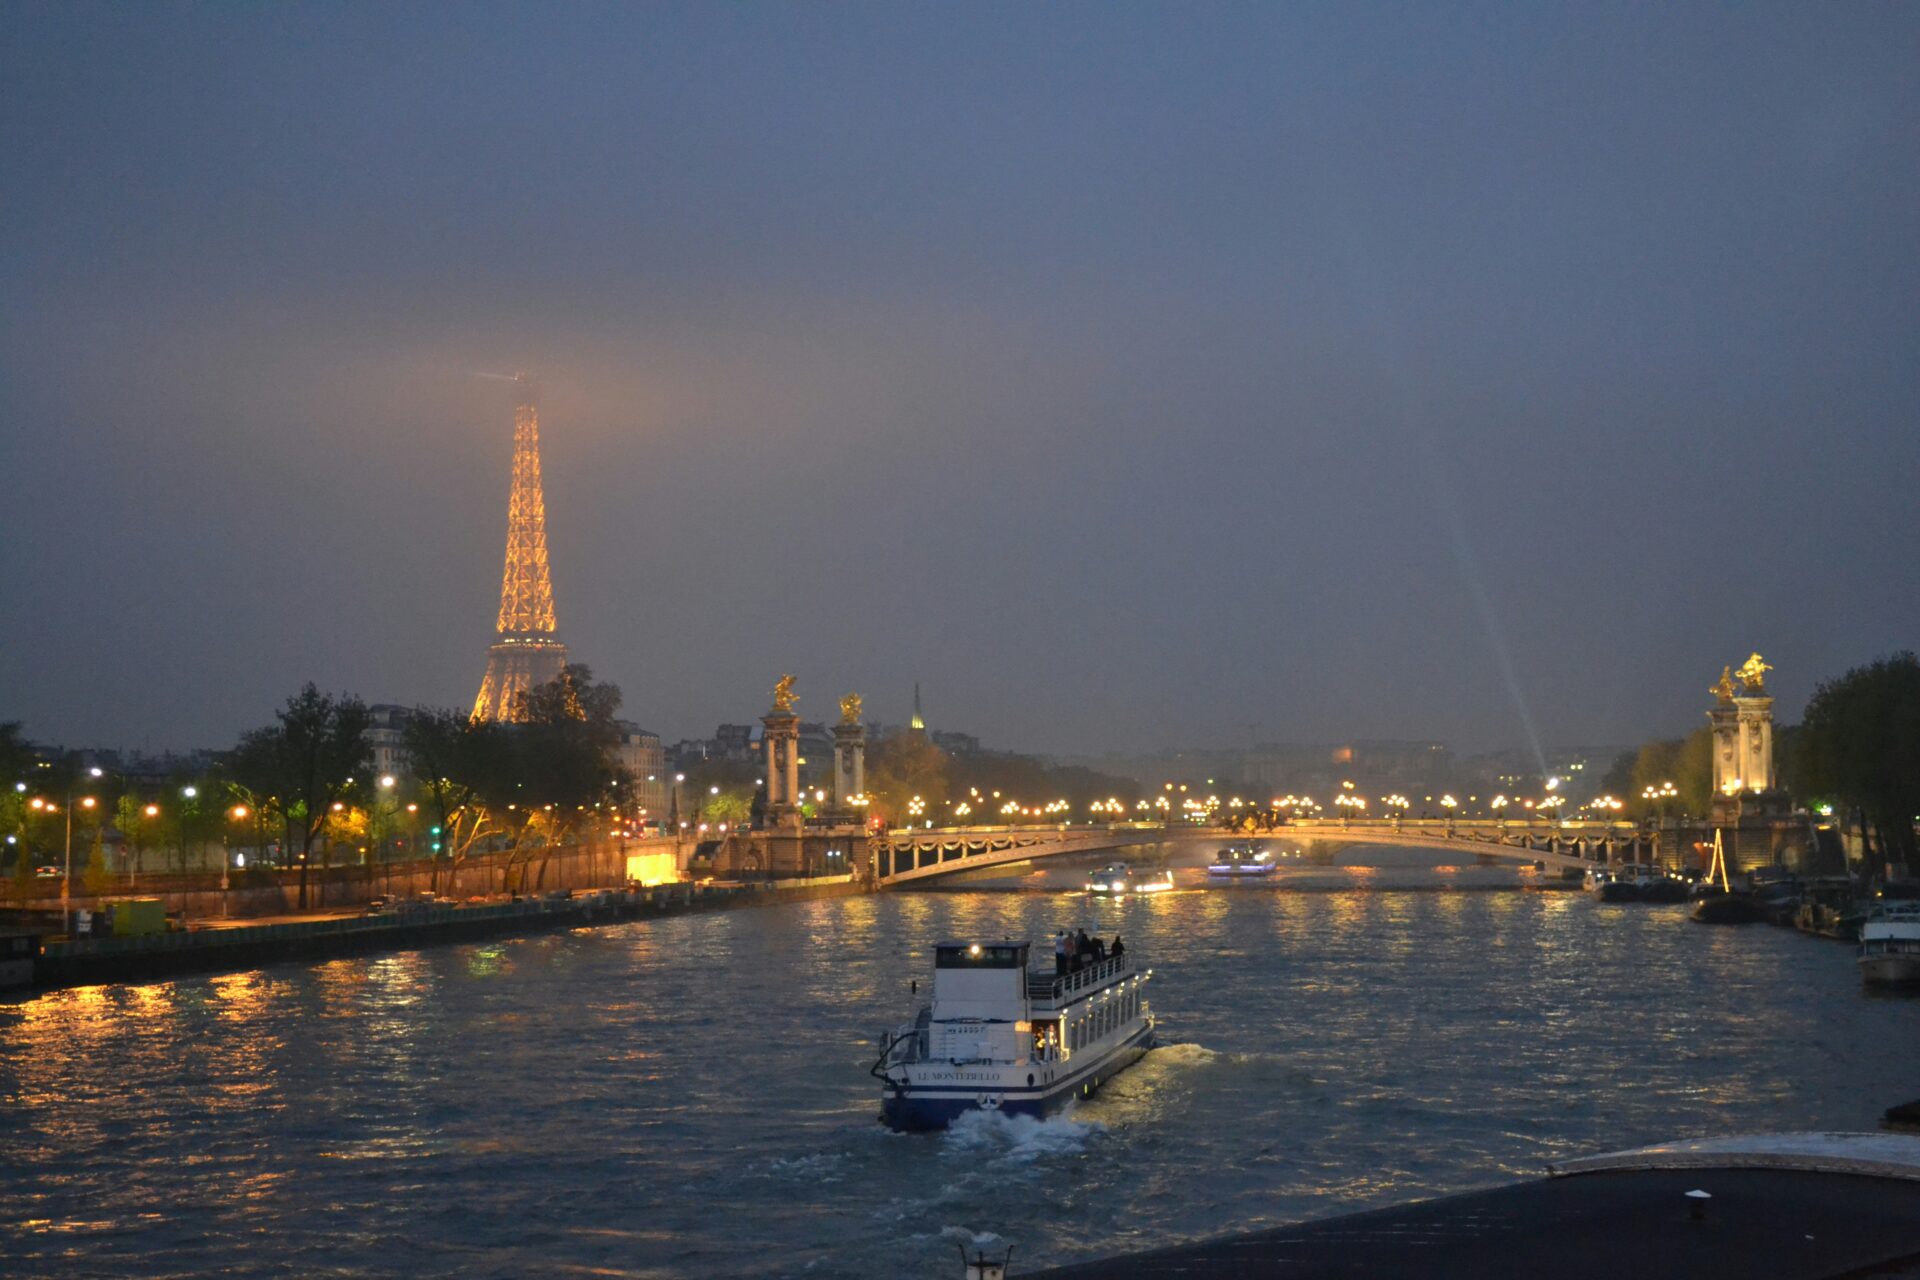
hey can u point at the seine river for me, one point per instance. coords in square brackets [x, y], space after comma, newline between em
[690, 1097]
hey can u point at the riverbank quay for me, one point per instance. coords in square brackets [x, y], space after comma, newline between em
[227, 947]
[1769, 1207]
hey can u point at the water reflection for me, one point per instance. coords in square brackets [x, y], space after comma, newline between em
[689, 1095]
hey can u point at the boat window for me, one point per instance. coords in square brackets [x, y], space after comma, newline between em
[981, 955]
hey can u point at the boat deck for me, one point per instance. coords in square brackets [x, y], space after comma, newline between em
[1766, 1223]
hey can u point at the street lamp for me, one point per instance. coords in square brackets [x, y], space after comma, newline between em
[66, 879]
[239, 814]
[133, 862]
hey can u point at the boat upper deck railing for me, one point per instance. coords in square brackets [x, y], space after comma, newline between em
[1052, 986]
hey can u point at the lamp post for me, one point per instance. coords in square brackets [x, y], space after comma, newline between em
[66, 878]
[382, 807]
[239, 814]
[133, 862]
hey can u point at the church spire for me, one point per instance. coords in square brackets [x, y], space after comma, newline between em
[919, 724]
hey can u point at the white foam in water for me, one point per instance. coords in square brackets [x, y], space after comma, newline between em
[1021, 1139]
[973, 1239]
[1181, 1055]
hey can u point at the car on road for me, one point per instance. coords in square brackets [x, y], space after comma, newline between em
[46, 873]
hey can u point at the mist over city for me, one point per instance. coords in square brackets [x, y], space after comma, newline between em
[1122, 640]
[1160, 381]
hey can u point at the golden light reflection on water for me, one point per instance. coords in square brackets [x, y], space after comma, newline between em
[241, 997]
[487, 961]
[1360, 1042]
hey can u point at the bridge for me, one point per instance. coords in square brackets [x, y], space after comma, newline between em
[908, 855]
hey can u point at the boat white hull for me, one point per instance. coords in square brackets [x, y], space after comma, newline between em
[934, 1095]
[1890, 970]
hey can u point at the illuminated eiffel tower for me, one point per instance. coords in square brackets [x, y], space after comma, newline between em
[526, 654]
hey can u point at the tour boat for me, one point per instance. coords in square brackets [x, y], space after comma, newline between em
[1619, 886]
[1890, 945]
[1661, 886]
[1117, 878]
[1242, 860]
[1002, 1037]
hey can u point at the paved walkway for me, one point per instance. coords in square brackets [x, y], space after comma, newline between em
[1761, 1224]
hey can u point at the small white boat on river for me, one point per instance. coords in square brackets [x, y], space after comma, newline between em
[1890, 945]
[1242, 860]
[1000, 1036]
[1117, 878]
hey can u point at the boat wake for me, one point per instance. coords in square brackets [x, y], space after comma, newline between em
[1181, 1055]
[1018, 1139]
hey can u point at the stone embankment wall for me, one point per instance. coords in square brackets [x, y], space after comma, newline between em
[589, 866]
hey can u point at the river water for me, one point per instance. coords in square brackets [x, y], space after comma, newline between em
[690, 1097]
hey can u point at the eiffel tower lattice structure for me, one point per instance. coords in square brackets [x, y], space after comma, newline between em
[527, 653]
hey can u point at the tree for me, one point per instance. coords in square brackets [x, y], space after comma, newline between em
[13, 823]
[563, 739]
[252, 776]
[463, 768]
[719, 791]
[195, 801]
[130, 816]
[1860, 743]
[17, 759]
[313, 754]
[1685, 762]
[902, 767]
[731, 807]
[96, 879]
[22, 872]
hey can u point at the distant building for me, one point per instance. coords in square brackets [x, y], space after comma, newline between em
[955, 744]
[645, 759]
[386, 734]
[1314, 769]
[733, 742]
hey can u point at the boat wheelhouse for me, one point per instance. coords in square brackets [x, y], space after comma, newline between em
[1002, 1036]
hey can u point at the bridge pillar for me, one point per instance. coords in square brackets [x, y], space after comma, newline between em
[782, 735]
[849, 763]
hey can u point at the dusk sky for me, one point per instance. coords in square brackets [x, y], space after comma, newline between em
[1129, 376]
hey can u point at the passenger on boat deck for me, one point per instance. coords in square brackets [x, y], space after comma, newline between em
[1059, 950]
[1099, 951]
[1082, 949]
[1118, 949]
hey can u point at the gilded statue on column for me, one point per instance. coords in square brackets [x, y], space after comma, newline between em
[850, 709]
[784, 698]
[1724, 690]
[1753, 674]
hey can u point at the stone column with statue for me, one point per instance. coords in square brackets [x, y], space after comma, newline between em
[1755, 707]
[782, 732]
[1747, 801]
[849, 756]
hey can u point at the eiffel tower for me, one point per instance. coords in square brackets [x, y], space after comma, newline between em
[526, 654]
